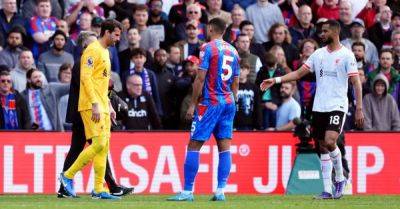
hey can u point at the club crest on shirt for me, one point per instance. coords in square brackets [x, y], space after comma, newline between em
[201, 109]
[90, 62]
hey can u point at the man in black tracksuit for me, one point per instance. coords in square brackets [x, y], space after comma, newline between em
[78, 140]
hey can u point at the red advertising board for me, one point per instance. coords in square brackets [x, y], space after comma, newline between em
[152, 162]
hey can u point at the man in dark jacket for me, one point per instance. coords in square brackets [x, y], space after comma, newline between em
[142, 114]
[14, 112]
[78, 139]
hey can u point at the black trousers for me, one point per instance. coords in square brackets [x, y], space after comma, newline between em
[78, 142]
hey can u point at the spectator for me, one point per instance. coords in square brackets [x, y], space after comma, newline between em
[380, 109]
[394, 4]
[178, 11]
[175, 59]
[160, 26]
[357, 31]
[363, 67]
[304, 28]
[84, 23]
[43, 101]
[42, 27]
[386, 68]
[9, 18]
[290, 10]
[380, 32]
[364, 82]
[243, 47]
[70, 45]
[117, 8]
[289, 109]
[345, 19]
[279, 54]
[166, 78]
[368, 14]
[149, 40]
[28, 8]
[191, 44]
[214, 10]
[142, 114]
[396, 48]
[229, 5]
[64, 76]
[358, 49]
[232, 31]
[9, 55]
[14, 112]
[184, 89]
[126, 23]
[329, 9]
[65, 73]
[270, 99]
[193, 14]
[18, 74]
[279, 35]
[246, 27]
[247, 110]
[306, 86]
[150, 84]
[76, 8]
[96, 25]
[263, 15]
[124, 57]
[50, 61]
[396, 21]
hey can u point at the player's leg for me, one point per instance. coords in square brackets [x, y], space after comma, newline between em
[223, 133]
[92, 131]
[319, 122]
[326, 169]
[334, 128]
[190, 169]
[202, 127]
[191, 165]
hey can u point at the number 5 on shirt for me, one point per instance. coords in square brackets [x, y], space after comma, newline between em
[226, 67]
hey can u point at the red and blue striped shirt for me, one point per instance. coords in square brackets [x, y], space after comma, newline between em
[221, 61]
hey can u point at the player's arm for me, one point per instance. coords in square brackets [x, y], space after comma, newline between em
[355, 80]
[235, 87]
[292, 76]
[86, 80]
[197, 88]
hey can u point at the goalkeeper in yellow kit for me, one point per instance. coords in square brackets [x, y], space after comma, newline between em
[95, 109]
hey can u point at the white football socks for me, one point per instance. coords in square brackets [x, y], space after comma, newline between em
[326, 167]
[336, 157]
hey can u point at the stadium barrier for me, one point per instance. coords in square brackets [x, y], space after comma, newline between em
[152, 162]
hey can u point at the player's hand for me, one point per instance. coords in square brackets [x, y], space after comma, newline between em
[266, 84]
[113, 115]
[190, 112]
[95, 112]
[359, 118]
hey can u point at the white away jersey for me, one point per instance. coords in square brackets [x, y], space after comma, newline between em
[332, 70]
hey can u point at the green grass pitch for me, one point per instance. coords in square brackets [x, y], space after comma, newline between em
[201, 201]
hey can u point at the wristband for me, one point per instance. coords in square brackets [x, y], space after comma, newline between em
[278, 80]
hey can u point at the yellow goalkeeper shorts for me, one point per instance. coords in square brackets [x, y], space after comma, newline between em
[92, 129]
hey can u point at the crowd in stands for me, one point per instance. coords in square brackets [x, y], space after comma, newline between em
[156, 61]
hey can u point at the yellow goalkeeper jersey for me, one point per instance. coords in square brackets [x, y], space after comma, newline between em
[94, 78]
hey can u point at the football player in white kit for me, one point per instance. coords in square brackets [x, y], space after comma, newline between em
[333, 65]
